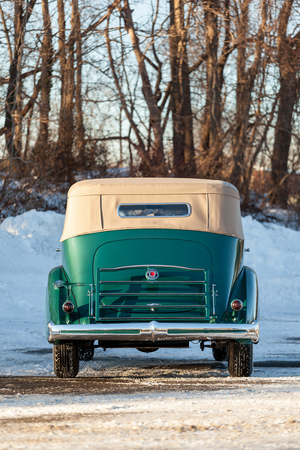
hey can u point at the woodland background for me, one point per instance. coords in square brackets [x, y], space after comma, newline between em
[206, 89]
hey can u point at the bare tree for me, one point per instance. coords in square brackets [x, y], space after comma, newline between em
[13, 113]
[64, 157]
[41, 151]
[157, 156]
[246, 77]
[288, 48]
[182, 116]
[79, 125]
[151, 156]
[185, 91]
[219, 45]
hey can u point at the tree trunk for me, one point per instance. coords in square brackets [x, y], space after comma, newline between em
[64, 157]
[283, 130]
[158, 166]
[212, 37]
[212, 144]
[13, 116]
[288, 60]
[41, 150]
[12, 105]
[245, 84]
[80, 130]
[182, 120]
[243, 99]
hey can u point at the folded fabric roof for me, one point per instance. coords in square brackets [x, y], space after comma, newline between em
[92, 205]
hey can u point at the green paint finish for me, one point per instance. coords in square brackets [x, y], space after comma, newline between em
[244, 341]
[55, 298]
[246, 290]
[220, 256]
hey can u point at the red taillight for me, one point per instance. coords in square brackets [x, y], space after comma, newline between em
[236, 305]
[68, 307]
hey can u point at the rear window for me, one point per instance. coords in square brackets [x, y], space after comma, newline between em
[154, 210]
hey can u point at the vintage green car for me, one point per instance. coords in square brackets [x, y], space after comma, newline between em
[152, 263]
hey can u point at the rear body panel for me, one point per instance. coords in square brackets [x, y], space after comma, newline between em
[181, 290]
[189, 264]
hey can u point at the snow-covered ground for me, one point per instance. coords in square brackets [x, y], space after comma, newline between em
[27, 253]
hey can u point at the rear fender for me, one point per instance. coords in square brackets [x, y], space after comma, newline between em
[55, 298]
[246, 290]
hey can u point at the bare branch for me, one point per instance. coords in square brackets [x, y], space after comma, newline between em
[22, 76]
[197, 64]
[94, 25]
[141, 148]
[6, 35]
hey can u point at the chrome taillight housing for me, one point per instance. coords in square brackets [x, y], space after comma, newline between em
[237, 305]
[68, 307]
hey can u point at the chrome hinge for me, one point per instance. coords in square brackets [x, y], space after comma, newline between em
[65, 284]
[91, 300]
[214, 293]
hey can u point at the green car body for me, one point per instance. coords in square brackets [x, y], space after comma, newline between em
[196, 276]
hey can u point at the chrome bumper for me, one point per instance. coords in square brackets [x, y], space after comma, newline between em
[154, 331]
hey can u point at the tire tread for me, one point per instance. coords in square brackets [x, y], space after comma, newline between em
[240, 359]
[66, 360]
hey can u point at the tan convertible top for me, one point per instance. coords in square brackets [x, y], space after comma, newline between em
[93, 205]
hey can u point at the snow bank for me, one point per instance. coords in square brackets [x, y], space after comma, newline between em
[27, 254]
[275, 256]
[41, 231]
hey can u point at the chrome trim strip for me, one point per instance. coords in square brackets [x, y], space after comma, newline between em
[146, 318]
[111, 269]
[151, 331]
[152, 282]
[159, 305]
[150, 217]
[151, 294]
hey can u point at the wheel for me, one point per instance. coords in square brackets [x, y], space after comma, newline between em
[66, 360]
[220, 354]
[86, 353]
[240, 359]
[146, 350]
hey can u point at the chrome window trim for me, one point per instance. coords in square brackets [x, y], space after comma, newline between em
[156, 203]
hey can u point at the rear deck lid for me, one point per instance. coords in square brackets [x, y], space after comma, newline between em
[152, 279]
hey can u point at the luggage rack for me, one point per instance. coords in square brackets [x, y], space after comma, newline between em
[99, 304]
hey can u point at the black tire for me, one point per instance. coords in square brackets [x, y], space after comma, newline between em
[66, 360]
[220, 354]
[86, 353]
[240, 359]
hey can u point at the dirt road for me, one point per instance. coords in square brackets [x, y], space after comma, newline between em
[181, 406]
[220, 415]
[144, 378]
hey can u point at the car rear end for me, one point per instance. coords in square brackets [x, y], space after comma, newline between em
[158, 272]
